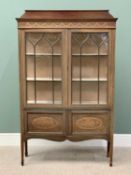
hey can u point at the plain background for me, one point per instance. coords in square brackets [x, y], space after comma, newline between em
[9, 86]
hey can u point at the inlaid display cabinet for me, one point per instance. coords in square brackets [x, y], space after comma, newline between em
[66, 76]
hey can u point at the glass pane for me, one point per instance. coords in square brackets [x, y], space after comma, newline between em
[43, 60]
[89, 68]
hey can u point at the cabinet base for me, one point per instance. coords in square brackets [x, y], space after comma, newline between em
[24, 147]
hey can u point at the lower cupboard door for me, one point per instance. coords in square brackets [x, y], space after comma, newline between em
[90, 123]
[51, 123]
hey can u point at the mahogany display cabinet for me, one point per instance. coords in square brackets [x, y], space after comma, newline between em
[66, 62]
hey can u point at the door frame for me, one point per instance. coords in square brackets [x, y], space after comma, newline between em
[23, 63]
[110, 69]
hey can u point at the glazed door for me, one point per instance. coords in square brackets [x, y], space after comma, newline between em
[89, 70]
[44, 60]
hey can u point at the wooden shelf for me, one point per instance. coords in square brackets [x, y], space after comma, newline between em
[59, 79]
[89, 79]
[43, 54]
[58, 54]
[88, 102]
[43, 79]
[91, 54]
[43, 102]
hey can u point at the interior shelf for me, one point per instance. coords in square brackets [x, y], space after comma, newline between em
[89, 102]
[43, 79]
[89, 79]
[43, 102]
[90, 54]
[59, 79]
[43, 54]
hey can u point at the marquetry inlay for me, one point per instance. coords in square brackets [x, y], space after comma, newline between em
[44, 123]
[89, 123]
[66, 25]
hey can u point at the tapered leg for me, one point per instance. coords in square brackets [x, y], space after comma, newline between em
[22, 150]
[108, 148]
[111, 153]
[26, 148]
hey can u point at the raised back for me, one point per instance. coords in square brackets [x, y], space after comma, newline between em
[69, 15]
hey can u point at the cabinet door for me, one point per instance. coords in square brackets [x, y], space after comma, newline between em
[44, 64]
[90, 122]
[46, 122]
[89, 60]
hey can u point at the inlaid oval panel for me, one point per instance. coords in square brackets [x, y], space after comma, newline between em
[44, 123]
[89, 123]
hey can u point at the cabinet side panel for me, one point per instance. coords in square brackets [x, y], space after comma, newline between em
[112, 82]
[21, 76]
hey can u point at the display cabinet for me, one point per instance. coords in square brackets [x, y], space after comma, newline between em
[66, 76]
